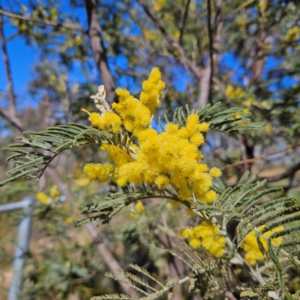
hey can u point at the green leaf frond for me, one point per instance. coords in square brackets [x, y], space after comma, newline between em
[106, 206]
[203, 276]
[287, 217]
[34, 153]
[113, 297]
[243, 203]
[243, 195]
[230, 120]
[262, 214]
[235, 202]
[140, 285]
[249, 294]
[191, 259]
[281, 215]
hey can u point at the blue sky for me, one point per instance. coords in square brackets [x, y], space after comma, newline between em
[23, 58]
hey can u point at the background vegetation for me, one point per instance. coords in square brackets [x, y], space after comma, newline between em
[242, 54]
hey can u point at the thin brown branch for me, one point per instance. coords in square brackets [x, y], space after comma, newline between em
[224, 160]
[211, 51]
[11, 112]
[222, 87]
[166, 242]
[206, 79]
[196, 296]
[41, 21]
[278, 19]
[182, 56]
[288, 173]
[219, 23]
[95, 35]
[139, 22]
[242, 6]
[252, 160]
[14, 120]
[109, 259]
[12, 99]
[176, 266]
[230, 296]
[256, 77]
[183, 21]
[244, 147]
[259, 59]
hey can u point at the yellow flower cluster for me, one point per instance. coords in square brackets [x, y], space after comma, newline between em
[170, 159]
[98, 171]
[206, 236]
[152, 34]
[232, 93]
[262, 4]
[215, 172]
[54, 193]
[108, 121]
[292, 34]
[117, 155]
[250, 245]
[159, 4]
[140, 207]
[82, 181]
[135, 116]
[42, 197]
[46, 199]
[236, 93]
[152, 89]
[268, 128]
[241, 21]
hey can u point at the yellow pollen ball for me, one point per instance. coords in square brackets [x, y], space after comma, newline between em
[215, 172]
[171, 128]
[206, 236]
[203, 127]
[95, 119]
[152, 88]
[210, 196]
[161, 181]
[140, 207]
[192, 119]
[54, 193]
[98, 171]
[253, 253]
[186, 233]
[195, 243]
[43, 198]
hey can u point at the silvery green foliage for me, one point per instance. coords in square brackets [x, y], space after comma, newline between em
[33, 154]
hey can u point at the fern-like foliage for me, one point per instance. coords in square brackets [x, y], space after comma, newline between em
[108, 205]
[213, 277]
[34, 153]
[229, 121]
[210, 278]
[250, 206]
[155, 289]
